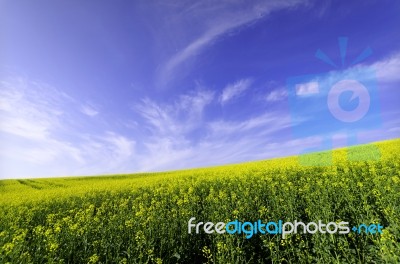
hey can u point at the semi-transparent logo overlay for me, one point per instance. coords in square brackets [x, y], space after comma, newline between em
[260, 227]
[344, 100]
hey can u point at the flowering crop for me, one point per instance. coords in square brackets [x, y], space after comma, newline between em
[142, 218]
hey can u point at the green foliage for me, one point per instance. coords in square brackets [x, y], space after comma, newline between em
[142, 218]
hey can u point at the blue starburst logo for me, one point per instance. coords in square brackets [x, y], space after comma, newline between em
[341, 101]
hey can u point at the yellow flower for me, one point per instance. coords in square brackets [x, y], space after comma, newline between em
[93, 259]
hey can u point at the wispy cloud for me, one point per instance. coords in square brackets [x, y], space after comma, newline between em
[222, 142]
[388, 69]
[44, 129]
[107, 152]
[40, 129]
[179, 117]
[309, 88]
[267, 123]
[89, 110]
[170, 140]
[215, 20]
[384, 71]
[234, 90]
[24, 110]
[38, 134]
[173, 145]
[276, 95]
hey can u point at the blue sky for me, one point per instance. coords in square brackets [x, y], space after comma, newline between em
[100, 87]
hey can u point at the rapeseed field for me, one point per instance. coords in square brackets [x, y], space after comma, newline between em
[143, 218]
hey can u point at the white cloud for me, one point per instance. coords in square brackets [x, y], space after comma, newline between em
[309, 88]
[122, 146]
[269, 122]
[276, 95]
[41, 135]
[24, 110]
[43, 132]
[224, 142]
[388, 70]
[171, 145]
[196, 102]
[180, 117]
[215, 19]
[89, 110]
[156, 117]
[234, 90]
[108, 152]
